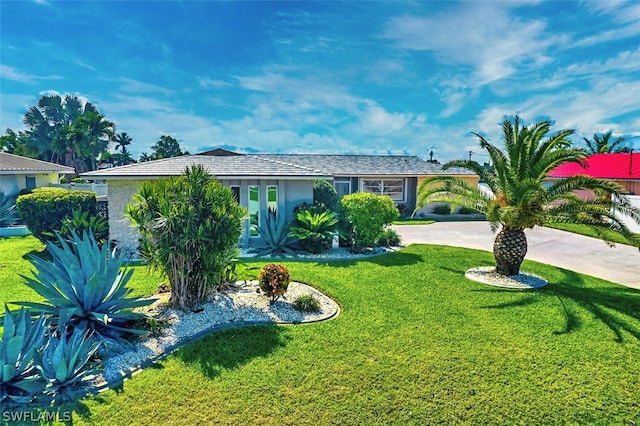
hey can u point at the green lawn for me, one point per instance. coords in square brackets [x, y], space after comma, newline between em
[586, 230]
[416, 343]
[411, 221]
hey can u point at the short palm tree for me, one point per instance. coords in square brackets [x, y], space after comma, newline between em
[523, 199]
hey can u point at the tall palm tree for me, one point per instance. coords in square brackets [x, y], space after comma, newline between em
[602, 144]
[122, 140]
[49, 124]
[93, 132]
[522, 199]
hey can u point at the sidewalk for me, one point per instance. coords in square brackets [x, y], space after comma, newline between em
[590, 256]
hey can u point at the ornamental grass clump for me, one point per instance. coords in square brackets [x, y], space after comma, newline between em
[274, 280]
[307, 303]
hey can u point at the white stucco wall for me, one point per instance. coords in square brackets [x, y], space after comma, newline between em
[120, 194]
[632, 225]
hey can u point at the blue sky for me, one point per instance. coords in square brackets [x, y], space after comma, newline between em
[328, 77]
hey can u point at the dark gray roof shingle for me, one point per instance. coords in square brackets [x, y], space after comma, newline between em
[281, 165]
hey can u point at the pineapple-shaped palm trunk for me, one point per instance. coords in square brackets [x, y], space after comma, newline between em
[509, 250]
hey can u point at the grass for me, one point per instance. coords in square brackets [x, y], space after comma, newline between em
[416, 343]
[411, 221]
[587, 231]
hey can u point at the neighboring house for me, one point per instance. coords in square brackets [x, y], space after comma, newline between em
[277, 181]
[622, 168]
[18, 173]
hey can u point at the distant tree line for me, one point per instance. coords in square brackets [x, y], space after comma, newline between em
[68, 131]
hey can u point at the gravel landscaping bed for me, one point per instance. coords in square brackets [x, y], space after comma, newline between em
[488, 275]
[242, 305]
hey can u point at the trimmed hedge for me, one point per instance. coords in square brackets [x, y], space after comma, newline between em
[369, 215]
[44, 209]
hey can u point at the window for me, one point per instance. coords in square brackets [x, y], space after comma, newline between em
[254, 210]
[235, 190]
[394, 188]
[342, 186]
[30, 182]
[272, 198]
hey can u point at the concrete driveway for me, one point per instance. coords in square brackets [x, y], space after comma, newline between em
[590, 256]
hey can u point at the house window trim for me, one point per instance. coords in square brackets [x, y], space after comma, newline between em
[386, 178]
[342, 180]
[250, 212]
[26, 182]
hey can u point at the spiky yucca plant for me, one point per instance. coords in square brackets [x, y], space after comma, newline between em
[85, 288]
[522, 200]
[23, 337]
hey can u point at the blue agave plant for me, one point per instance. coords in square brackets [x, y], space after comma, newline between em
[23, 337]
[65, 367]
[85, 288]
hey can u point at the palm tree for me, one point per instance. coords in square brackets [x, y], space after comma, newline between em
[49, 124]
[122, 140]
[522, 199]
[601, 144]
[95, 132]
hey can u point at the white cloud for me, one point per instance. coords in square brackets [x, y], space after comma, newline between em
[13, 74]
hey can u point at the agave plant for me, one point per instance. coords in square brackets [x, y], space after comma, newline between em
[85, 288]
[275, 236]
[315, 230]
[20, 381]
[64, 365]
[8, 213]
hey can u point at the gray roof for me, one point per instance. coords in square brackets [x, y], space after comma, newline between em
[222, 165]
[366, 165]
[11, 164]
[219, 166]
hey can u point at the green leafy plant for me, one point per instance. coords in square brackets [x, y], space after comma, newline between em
[65, 367]
[19, 352]
[443, 209]
[274, 280]
[8, 212]
[84, 287]
[368, 215]
[325, 194]
[187, 225]
[314, 230]
[82, 221]
[389, 238]
[44, 209]
[307, 303]
[275, 236]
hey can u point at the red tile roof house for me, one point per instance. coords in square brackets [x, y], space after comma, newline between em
[263, 181]
[623, 168]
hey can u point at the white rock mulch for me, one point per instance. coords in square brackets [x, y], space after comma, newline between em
[488, 275]
[240, 306]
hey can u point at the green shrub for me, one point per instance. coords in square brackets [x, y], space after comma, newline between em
[307, 303]
[466, 210]
[44, 209]
[325, 194]
[315, 230]
[274, 280]
[368, 214]
[187, 225]
[82, 221]
[19, 351]
[275, 236]
[389, 238]
[84, 288]
[442, 209]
